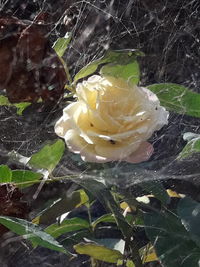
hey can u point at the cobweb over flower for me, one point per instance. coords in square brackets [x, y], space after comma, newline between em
[111, 120]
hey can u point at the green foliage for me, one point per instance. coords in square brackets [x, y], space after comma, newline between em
[61, 206]
[49, 156]
[193, 146]
[61, 44]
[109, 218]
[68, 225]
[74, 238]
[24, 178]
[113, 243]
[32, 232]
[177, 98]
[129, 71]
[4, 101]
[103, 194]
[5, 174]
[119, 63]
[171, 240]
[157, 189]
[21, 178]
[20, 106]
[130, 263]
[189, 212]
[98, 252]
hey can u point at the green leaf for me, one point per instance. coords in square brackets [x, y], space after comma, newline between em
[148, 253]
[5, 174]
[189, 212]
[170, 239]
[156, 188]
[129, 71]
[49, 156]
[103, 194]
[32, 232]
[177, 98]
[118, 59]
[61, 44]
[74, 238]
[68, 225]
[130, 263]
[193, 146]
[108, 218]
[61, 206]
[189, 136]
[112, 243]
[4, 101]
[20, 106]
[98, 252]
[23, 178]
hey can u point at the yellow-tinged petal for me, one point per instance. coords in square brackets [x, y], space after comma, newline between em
[111, 120]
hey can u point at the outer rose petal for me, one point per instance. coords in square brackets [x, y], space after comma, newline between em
[79, 146]
[143, 153]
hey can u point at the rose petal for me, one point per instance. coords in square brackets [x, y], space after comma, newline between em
[143, 153]
[115, 152]
[78, 145]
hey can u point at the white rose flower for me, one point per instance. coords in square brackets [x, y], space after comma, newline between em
[111, 120]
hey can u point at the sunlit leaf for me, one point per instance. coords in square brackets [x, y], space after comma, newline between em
[64, 204]
[25, 178]
[130, 71]
[172, 193]
[177, 98]
[112, 243]
[189, 212]
[61, 44]
[148, 253]
[98, 252]
[20, 106]
[4, 101]
[119, 59]
[189, 136]
[5, 174]
[108, 218]
[151, 257]
[68, 225]
[125, 206]
[130, 263]
[32, 232]
[193, 146]
[49, 156]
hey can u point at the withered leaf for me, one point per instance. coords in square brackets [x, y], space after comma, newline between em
[11, 204]
[30, 68]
